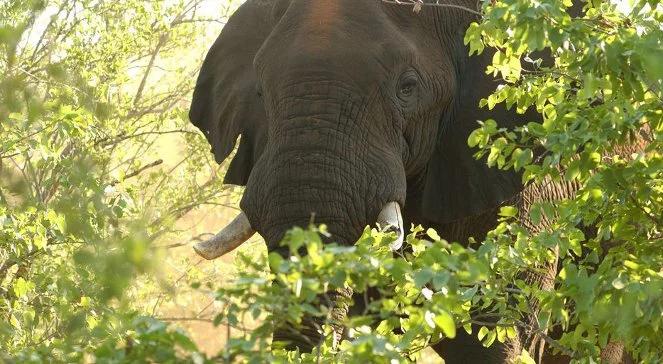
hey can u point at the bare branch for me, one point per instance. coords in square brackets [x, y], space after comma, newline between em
[417, 4]
[38, 46]
[138, 171]
[162, 41]
[185, 319]
[122, 136]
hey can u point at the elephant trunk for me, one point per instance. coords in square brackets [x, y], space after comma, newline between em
[305, 187]
[322, 174]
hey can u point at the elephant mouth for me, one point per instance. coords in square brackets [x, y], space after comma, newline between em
[239, 230]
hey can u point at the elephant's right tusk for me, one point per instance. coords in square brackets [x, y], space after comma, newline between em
[391, 220]
[237, 232]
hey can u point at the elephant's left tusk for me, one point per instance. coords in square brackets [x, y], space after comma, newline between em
[237, 232]
[391, 220]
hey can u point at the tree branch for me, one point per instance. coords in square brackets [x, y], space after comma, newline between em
[139, 93]
[106, 142]
[417, 4]
[138, 171]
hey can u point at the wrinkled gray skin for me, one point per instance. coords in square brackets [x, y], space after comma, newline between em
[346, 105]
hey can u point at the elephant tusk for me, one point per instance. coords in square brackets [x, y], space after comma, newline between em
[237, 232]
[391, 220]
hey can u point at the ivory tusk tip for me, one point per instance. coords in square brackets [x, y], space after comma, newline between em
[201, 250]
[390, 219]
[398, 243]
[233, 235]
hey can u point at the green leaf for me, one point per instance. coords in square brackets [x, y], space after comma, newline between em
[433, 235]
[22, 287]
[476, 138]
[483, 331]
[445, 322]
[524, 358]
[422, 276]
[489, 339]
[508, 211]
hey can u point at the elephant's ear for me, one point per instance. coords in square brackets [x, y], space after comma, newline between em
[457, 185]
[225, 101]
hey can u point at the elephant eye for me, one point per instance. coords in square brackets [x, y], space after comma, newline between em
[407, 86]
[406, 90]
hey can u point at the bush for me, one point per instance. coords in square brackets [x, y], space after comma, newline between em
[84, 191]
[84, 196]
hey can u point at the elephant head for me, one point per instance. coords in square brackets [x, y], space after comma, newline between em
[347, 109]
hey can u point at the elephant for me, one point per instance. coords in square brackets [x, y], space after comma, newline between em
[356, 111]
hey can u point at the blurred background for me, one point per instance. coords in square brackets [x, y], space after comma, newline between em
[104, 184]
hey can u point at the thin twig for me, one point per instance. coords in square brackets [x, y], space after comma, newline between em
[123, 136]
[420, 3]
[185, 319]
[141, 87]
[138, 171]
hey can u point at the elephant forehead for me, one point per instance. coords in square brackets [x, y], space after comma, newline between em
[320, 19]
[322, 14]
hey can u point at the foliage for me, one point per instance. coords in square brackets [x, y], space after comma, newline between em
[90, 89]
[426, 293]
[601, 102]
[90, 93]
